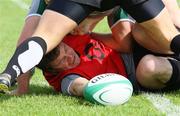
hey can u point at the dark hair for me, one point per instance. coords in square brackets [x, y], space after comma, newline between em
[47, 59]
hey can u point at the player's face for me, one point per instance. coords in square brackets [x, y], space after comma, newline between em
[67, 58]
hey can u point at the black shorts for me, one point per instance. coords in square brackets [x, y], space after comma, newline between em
[107, 3]
[100, 5]
[140, 10]
[78, 10]
[139, 52]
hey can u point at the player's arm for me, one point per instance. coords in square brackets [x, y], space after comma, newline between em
[120, 40]
[22, 84]
[31, 22]
[108, 40]
[78, 85]
[73, 85]
[121, 26]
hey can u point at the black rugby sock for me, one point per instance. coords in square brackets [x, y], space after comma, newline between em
[175, 77]
[175, 44]
[26, 56]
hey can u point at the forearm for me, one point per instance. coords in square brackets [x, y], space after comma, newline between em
[121, 30]
[22, 84]
[106, 39]
[77, 86]
[110, 41]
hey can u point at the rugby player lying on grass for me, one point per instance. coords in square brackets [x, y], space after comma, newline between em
[58, 20]
[68, 71]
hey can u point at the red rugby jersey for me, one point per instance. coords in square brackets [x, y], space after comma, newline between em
[96, 58]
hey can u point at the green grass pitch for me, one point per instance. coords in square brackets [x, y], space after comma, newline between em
[43, 101]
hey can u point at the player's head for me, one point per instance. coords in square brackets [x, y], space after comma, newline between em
[90, 22]
[61, 58]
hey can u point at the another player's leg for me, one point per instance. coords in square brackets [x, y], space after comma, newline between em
[156, 22]
[50, 31]
[158, 73]
[174, 11]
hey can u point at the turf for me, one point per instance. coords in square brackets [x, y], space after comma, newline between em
[42, 100]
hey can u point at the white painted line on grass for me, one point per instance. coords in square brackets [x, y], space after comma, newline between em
[163, 104]
[21, 4]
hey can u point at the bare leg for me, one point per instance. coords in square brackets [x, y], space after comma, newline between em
[153, 72]
[174, 11]
[145, 39]
[29, 28]
[162, 31]
[48, 34]
[53, 27]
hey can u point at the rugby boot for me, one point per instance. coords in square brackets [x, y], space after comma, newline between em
[5, 83]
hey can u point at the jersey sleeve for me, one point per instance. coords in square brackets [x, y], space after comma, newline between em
[120, 15]
[37, 8]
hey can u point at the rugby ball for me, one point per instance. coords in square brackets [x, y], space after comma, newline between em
[108, 89]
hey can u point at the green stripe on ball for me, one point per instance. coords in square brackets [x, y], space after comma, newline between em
[89, 91]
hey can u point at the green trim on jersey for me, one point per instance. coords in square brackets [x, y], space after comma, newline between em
[42, 7]
[120, 14]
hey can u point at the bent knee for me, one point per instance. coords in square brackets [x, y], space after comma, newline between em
[147, 66]
[147, 73]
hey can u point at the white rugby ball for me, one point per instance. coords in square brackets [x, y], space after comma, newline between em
[108, 89]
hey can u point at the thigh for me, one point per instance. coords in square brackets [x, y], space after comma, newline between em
[75, 11]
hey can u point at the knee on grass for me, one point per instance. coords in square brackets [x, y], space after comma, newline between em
[153, 71]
